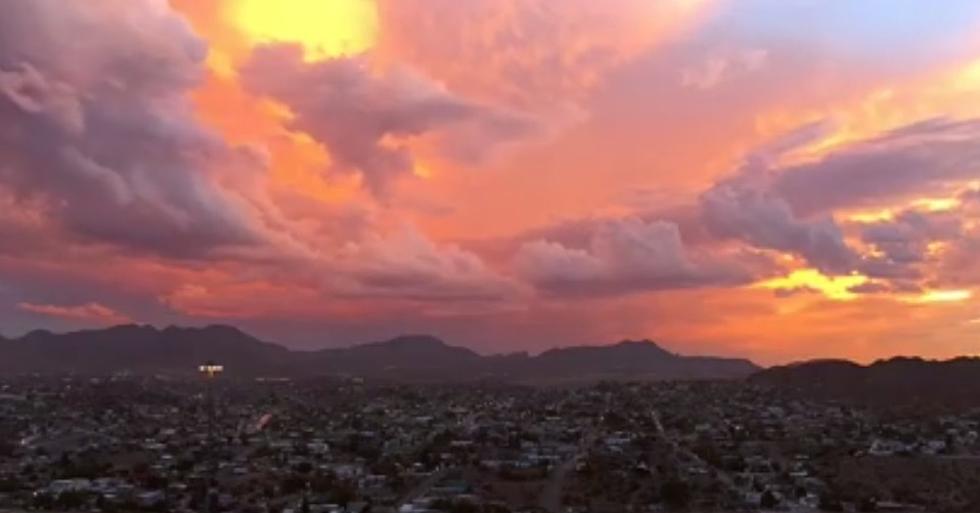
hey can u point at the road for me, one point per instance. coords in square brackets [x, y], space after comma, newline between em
[551, 495]
[422, 488]
[722, 475]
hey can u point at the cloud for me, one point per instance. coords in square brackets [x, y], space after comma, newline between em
[748, 211]
[405, 264]
[905, 238]
[784, 292]
[97, 126]
[790, 208]
[923, 158]
[723, 66]
[744, 209]
[622, 256]
[531, 54]
[367, 120]
[881, 287]
[101, 144]
[89, 313]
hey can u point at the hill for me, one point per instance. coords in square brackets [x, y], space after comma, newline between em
[141, 350]
[175, 350]
[900, 381]
[633, 360]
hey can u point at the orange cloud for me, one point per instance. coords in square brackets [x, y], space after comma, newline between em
[950, 88]
[525, 52]
[638, 114]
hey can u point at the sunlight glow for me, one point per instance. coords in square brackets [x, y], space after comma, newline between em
[872, 216]
[833, 287]
[887, 214]
[943, 296]
[936, 204]
[325, 28]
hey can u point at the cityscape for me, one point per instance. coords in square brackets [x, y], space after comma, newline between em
[331, 444]
[489, 256]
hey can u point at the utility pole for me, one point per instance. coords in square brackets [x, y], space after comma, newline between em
[210, 370]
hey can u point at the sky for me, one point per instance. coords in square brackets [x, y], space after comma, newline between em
[772, 179]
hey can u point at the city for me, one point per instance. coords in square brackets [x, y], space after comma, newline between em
[489, 256]
[129, 443]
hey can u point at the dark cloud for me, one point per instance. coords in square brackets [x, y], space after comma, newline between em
[871, 287]
[623, 256]
[900, 245]
[758, 207]
[959, 265]
[745, 209]
[905, 238]
[790, 209]
[883, 267]
[364, 118]
[95, 125]
[784, 292]
[918, 159]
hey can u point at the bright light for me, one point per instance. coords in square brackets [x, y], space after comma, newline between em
[943, 296]
[873, 216]
[836, 287]
[211, 369]
[936, 204]
[325, 28]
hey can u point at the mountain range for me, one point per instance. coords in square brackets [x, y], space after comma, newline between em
[900, 381]
[176, 350]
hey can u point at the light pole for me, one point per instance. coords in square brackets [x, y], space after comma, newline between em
[210, 370]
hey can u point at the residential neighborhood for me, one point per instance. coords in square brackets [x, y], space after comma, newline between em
[344, 445]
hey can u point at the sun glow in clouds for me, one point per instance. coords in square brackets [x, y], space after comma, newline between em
[887, 214]
[942, 296]
[325, 28]
[836, 287]
[936, 204]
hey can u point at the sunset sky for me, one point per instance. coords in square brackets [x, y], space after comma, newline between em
[773, 179]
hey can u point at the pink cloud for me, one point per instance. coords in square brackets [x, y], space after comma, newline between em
[365, 119]
[92, 313]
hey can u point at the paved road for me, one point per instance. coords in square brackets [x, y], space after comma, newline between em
[725, 478]
[422, 488]
[550, 498]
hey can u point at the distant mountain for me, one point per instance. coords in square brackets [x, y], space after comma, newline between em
[636, 360]
[140, 349]
[145, 349]
[898, 381]
[405, 357]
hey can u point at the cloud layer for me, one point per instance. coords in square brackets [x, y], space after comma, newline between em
[369, 120]
[507, 172]
[622, 256]
[100, 135]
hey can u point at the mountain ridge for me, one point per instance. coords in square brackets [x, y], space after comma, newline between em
[174, 349]
[894, 381]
